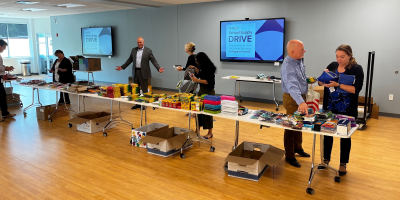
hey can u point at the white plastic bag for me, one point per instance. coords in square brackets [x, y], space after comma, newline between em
[312, 99]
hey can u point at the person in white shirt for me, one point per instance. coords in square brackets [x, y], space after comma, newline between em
[3, 96]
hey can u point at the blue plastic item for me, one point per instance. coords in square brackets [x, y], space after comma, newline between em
[212, 98]
[327, 77]
[212, 107]
[346, 80]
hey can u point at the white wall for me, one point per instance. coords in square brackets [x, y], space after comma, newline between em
[366, 25]
[39, 25]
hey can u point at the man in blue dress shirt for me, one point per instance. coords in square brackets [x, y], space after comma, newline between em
[294, 86]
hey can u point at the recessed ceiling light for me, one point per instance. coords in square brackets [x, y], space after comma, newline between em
[70, 5]
[33, 9]
[27, 2]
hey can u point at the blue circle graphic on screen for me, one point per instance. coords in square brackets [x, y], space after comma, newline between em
[105, 41]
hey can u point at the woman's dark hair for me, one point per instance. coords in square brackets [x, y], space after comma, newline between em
[347, 49]
[58, 51]
[2, 42]
[205, 63]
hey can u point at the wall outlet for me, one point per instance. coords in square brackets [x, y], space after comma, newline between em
[276, 63]
[391, 97]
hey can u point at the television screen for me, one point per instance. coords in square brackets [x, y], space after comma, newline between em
[253, 40]
[97, 41]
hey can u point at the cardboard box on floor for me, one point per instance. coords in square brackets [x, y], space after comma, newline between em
[250, 160]
[43, 112]
[374, 107]
[89, 64]
[141, 132]
[90, 121]
[13, 99]
[9, 90]
[166, 142]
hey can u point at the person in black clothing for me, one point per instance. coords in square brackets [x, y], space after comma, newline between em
[62, 73]
[344, 100]
[189, 49]
[206, 79]
[3, 95]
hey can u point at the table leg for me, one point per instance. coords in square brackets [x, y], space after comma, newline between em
[141, 115]
[93, 78]
[239, 93]
[273, 91]
[88, 80]
[33, 101]
[234, 94]
[313, 170]
[145, 116]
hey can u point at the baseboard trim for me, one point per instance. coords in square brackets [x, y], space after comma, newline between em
[384, 114]
[270, 101]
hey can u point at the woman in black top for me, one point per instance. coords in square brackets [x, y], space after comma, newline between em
[206, 79]
[62, 73]
[344, 100]
[189, 49]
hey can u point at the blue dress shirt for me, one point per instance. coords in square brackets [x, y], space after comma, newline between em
[294, 80]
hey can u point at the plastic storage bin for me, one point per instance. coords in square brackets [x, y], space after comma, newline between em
[233, 114]
[230, 108]
[229, 103]
[213, 107]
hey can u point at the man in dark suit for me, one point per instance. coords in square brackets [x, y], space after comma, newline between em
[140, 57]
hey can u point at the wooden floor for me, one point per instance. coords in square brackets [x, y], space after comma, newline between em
[43, 160]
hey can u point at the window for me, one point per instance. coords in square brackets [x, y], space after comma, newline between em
[16, 35]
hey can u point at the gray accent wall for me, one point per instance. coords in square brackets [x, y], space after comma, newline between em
[322, 25]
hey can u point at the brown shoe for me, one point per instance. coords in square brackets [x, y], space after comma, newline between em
[9, 115]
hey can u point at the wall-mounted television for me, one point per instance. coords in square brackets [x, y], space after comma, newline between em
[97, 41]
[260, 40]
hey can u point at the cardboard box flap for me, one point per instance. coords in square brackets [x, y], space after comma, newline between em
[178, 140]
[272, 156]
[151, 127]
[241, 160]
[84, 113]
[103, 116]
[151, 139]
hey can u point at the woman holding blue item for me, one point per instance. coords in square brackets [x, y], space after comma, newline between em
[206, 79]
[341, 97]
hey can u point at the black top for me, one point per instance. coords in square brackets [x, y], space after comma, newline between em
[65, 77]
[356, 71]
[209, 77]
[191, 61]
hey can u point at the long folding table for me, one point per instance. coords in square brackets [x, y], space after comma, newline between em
[197, 137]
[254, 80]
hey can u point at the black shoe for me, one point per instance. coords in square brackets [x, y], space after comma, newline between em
[301, 153]
[293, 162]
[342, 173]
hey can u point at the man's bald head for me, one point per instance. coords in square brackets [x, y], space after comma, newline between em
[140, 42]
[295, 49]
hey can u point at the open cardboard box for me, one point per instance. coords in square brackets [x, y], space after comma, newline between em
[43, 112]
[77, 88]
[166, 142]
[141, 132]
[250, 160]
[91, 122]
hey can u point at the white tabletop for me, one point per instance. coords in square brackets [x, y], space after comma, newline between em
[251, 79]
[244, 118]
[87, 71]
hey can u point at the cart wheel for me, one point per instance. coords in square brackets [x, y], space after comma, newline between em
[183, 156]
[337, 179]
[104, 134]
[50, 120]
[69, 125]
[277, 109]
[25, 114]
[321, 167]
[130, 141]
[310, 191]
[226, 167]
[21, 104]
[154, 108]
[212, 149]
[241, 100]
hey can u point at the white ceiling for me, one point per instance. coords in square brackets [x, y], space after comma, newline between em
[9, 8]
